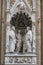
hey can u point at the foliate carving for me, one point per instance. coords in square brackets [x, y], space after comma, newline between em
[21, 20]
[19, 60]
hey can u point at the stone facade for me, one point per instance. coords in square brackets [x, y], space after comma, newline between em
[3, 30]
[42, 32]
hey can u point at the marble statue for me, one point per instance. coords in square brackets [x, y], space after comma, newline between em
[19, 37]
[12, 39]
[28, 39]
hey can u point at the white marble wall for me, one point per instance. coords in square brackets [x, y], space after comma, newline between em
[7, 24]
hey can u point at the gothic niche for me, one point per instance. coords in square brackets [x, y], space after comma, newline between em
[21, 33]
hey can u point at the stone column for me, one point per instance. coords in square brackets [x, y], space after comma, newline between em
[34, 38]
[7, 38]
[41, 32]
[33, 10]
[3, 32]
[0, 28]
[38, 32]
[8, 4]
[34, 29]
[34, 60]
[7, 25]
[33, 4]
[33, 26]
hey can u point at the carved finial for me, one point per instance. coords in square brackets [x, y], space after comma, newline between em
[21, 5]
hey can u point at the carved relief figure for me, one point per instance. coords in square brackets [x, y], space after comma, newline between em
[12, 39]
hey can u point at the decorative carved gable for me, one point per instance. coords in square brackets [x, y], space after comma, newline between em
[21, 5]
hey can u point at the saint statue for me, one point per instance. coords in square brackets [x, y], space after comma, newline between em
[28, 40]
[19, 37]
[12, 39]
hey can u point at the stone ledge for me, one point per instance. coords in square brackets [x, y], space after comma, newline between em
[21, 64]
[20, 55]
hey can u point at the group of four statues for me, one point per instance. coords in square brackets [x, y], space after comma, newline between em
[18, 42]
